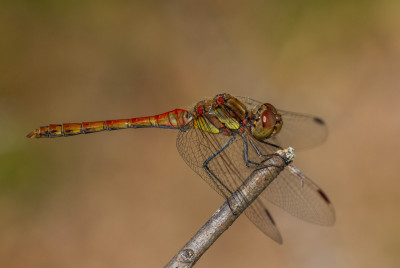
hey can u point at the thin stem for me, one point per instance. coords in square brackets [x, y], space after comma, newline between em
[251, 188]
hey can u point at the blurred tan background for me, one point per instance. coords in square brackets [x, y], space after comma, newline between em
[126, 198]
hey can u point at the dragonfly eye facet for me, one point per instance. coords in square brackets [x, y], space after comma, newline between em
[268, 122]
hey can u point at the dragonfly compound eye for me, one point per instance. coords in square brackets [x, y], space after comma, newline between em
[268, 123]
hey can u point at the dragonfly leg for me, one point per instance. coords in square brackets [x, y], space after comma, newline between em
[218, 183]
[249, 163]
[260, 154]
[270, 144]
[246, 153]
[252, 164]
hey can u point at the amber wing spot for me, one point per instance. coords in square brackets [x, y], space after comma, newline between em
[319, 121]
[323, 195]
[269, 216]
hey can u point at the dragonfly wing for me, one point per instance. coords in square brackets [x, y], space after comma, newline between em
[261, 218]
[298, 131]
[196, 146]
[297, 194]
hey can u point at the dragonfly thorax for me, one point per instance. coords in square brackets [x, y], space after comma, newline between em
[228, 115]
[223, 114]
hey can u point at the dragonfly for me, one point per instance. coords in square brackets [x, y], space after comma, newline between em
[223, 139]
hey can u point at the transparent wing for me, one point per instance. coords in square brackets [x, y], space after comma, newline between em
[297, 194]
[261, 218]
[196, 146]
[298, 131]
[300, 197]
[292, 190]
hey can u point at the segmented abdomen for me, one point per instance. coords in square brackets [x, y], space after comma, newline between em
[173, 120]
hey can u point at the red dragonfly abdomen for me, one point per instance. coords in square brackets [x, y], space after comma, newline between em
[173, 120]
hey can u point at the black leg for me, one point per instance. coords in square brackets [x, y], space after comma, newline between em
[245, 151]
[254, 146]
[273, 145]
[250, 164]
[213, 177]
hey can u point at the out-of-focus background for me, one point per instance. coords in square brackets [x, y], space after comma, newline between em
[126, 198]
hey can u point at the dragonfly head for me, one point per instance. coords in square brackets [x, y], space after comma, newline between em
[267, 122]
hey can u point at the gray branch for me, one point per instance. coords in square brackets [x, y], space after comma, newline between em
[251, 188]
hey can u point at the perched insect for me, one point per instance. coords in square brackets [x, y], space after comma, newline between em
[223, 139]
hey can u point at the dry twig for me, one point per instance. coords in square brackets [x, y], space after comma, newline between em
[251, 188]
